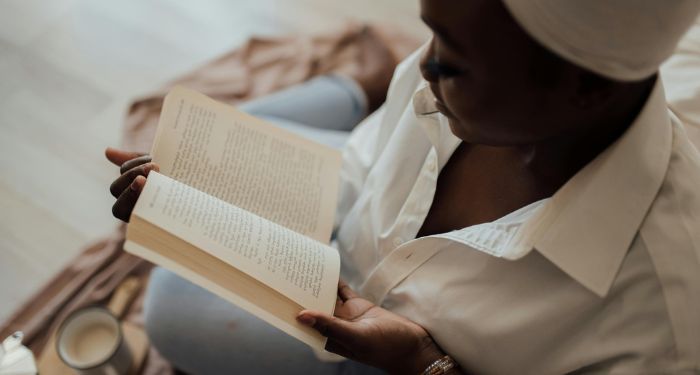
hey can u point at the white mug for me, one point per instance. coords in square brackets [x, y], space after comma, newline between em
[15, 358]
[91, 342]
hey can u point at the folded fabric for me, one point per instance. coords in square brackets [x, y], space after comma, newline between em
[625, 40]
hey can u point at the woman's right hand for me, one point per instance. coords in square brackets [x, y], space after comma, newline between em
[134, 167]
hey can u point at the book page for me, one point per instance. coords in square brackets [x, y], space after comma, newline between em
[304, 270]
[249, 163]
[162, 248]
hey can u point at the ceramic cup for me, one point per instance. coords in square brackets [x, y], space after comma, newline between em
[91, 342]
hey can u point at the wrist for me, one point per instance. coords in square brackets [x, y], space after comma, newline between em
[443, 366]
[431, 359]
[426, 355]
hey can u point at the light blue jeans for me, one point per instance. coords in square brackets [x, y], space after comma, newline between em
[202, 334]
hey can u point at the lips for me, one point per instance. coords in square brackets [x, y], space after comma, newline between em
[439, 104]
[442, 108]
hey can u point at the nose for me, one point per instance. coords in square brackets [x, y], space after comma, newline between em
[427, 61]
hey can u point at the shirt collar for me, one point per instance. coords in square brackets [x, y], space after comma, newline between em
[589, 224]
[425, 109]
[587, 227]
[434, 124]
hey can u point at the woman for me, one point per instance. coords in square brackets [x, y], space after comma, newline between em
[529, 207]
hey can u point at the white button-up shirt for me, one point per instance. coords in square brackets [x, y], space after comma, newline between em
[603, 276]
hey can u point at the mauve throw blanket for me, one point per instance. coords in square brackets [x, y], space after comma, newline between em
[259, 67]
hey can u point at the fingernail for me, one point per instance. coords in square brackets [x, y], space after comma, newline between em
[306, 320]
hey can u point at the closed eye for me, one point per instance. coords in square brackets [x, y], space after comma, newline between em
[433, 68]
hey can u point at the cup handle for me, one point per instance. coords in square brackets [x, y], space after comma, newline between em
[123, 296]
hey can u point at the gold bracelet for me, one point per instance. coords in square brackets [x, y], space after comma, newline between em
[441, 366]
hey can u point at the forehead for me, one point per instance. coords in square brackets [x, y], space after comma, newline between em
[471, 23]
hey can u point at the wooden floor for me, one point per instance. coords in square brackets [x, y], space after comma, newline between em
[67, 71]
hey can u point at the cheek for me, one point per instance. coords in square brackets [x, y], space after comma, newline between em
[462, 98]
[470, 105]
[492, 114]
[469, 116]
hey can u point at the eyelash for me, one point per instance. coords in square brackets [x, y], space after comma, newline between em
[436, 69]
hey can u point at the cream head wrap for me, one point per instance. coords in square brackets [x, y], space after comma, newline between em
[625, 40]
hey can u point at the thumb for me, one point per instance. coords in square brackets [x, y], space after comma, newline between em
[332, 327]
[119, 157]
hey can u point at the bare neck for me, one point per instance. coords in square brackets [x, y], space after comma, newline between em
[557, 160]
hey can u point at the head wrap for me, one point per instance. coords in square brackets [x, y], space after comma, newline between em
[625, 40]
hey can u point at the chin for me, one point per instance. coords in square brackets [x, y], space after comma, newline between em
[477, 135]
[465, 133]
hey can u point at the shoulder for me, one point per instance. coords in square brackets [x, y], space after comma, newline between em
[674, 217]
[670, 235]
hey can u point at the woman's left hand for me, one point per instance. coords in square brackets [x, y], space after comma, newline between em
[367, 333]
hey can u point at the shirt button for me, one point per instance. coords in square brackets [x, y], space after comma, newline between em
[397, 241]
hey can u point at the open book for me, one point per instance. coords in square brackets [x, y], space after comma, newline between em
[243, 209]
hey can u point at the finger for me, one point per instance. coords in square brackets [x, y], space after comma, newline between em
[330, 326]
[123, 181]
[338, 303]
[345, 292]
[119, 157]
[125, 203]
[344, 310]
[130, 164]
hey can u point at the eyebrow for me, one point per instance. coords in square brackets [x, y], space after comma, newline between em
[441, 33]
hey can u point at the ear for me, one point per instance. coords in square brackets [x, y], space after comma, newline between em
[592, 91]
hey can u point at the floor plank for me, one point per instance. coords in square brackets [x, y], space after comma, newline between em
[34, 245]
